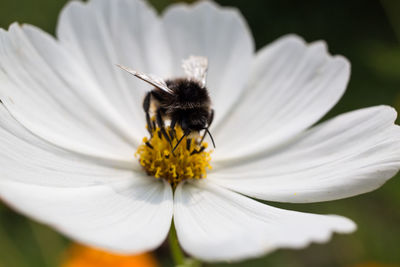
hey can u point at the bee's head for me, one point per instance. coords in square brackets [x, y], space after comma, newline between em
[195, 121]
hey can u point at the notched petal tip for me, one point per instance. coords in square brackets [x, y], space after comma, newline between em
[13, 26]
[211, 7]
[345, 225]
[386, 112]
[195, 5]
[203, 219]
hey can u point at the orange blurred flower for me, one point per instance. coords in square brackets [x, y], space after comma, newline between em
[81, 256]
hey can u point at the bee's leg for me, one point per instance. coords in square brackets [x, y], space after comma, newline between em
[172, 132]
[160, 123]
[146, 107]
[186, 132]
[188, 143]
[198, 151]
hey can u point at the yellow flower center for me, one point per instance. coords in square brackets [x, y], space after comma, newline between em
[188, 161]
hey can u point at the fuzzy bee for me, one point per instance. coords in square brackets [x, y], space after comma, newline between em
[182, 101]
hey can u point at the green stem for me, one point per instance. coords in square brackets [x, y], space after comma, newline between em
[177, 254]
[176, 251]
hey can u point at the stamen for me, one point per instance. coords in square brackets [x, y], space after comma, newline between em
[189, 161]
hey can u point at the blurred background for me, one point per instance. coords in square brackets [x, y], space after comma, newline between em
[366, 32]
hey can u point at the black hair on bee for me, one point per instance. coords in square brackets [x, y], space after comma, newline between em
[183, 101]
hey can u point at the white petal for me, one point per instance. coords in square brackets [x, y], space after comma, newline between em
[102, 33]
[28, 159]
[217, 224]
[126, 217]
[220, 34]
[349, 155]
[91, 202]
[50, 94]
[291, 86]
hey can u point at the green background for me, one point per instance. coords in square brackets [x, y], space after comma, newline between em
[366, 32]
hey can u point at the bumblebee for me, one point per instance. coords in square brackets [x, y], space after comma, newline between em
[183, 101]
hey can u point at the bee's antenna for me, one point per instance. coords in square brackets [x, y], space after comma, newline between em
[212, 139]
[180, 140]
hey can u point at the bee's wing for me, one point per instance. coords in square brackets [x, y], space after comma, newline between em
[149, 78]
[195, 68]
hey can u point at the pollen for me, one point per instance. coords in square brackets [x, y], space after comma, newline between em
[189, 160]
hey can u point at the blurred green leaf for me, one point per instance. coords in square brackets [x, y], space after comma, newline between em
[392, 8]
[384, 60]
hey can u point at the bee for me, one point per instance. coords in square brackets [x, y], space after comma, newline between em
[182, 101]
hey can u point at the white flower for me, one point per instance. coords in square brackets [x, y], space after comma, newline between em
[71, 122]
